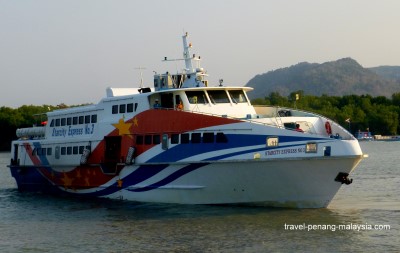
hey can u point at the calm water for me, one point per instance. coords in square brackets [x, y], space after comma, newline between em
[39, 223]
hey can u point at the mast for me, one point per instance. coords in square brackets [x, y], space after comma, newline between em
[186, 54]
[191, 76]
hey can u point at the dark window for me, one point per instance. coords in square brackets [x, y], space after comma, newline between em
[139, 139]
[49, 151]
[69, 150]
[122, 108]
[52, 123]
[81, 148]
[208, 137]
[81, 119]
[87, 119]
[129, 107]
[218, 96]
[63, 150]
[184, 138]
[148, 139]
[196, 137]
[174, 138]
[114, 109]
[63, 121]
[75, 150]
[69, 121]
[57, 122]
[75, 121]
[136, 105]
[221, 138]
[94, 118]
[156, 139]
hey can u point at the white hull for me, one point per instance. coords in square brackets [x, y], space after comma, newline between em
[301, 183]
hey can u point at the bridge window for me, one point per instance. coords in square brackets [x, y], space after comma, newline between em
[238, 96]
[196, 97]
[218, 96]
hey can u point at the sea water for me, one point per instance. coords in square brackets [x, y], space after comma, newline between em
[363, 217]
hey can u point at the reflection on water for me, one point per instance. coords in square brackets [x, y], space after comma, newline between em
[42, 223]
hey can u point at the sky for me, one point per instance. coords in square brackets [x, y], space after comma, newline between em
[70, 51]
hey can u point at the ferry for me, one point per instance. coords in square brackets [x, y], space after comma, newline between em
[185, 141]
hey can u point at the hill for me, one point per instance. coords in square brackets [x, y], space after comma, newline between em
[337, 78]
[388, 72]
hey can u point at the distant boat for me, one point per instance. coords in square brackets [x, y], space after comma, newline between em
[386, 138]
[364, 136]
[186, 142]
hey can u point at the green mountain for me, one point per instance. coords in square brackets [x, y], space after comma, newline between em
[336, 78]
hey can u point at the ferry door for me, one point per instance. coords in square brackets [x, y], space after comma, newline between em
[167, 100]
[112, 151]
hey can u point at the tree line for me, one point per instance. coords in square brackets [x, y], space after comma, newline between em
[355, 112]
[378, 114]
[25, 116]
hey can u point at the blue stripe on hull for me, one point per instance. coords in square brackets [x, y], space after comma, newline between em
[171, 177]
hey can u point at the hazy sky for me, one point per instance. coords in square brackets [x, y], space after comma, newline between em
[58, 51]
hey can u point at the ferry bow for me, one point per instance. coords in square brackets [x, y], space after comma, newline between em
[185, 141]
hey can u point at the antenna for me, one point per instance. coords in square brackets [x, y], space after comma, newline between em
[141, 75]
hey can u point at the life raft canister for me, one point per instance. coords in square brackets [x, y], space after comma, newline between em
[328, 128]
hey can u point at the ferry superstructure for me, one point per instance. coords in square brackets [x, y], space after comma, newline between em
[185, 141]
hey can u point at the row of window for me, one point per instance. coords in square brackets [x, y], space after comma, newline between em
[74, 120]
[42, 151]
[184, 138]
[124, 108]
[72, 150]
[216, 96]
[148, 139]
